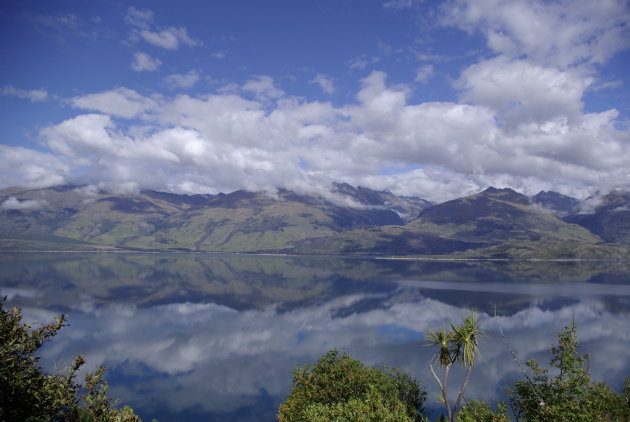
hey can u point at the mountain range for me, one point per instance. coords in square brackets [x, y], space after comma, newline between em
[495, 223]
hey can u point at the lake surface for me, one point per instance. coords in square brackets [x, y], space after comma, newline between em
[190, 337]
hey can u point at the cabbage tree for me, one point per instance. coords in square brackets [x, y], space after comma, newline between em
[458, 345]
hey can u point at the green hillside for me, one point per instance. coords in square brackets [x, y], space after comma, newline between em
[495, 223]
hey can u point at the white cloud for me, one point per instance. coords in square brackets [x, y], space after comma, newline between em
[81, 138]
[558, 33]
[424, 73]
[521, 121]
[128, 188]
[33, 95]
[63, 26]
[547, 59]
[142, 61]
[379, 108]
[26, 167]
[139, 18]
[363, 61]
[358, 63]
[185, 80]
[15, 204]
[169, 38]
[400, 4]
[263, 87]
[119, 102]
[521, 92]
[66, 21]
[325, 83]
[225, 142]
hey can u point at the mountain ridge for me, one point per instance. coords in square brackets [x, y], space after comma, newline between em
[494, 223]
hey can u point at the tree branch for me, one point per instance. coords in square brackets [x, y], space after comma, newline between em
[460, 396]
[443, 387]
[520, 366]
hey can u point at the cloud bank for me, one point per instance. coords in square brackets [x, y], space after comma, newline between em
[519, 120]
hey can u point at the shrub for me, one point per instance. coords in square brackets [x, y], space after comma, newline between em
[341, 388]
[570, 395]
[27, 393]
[476, 411]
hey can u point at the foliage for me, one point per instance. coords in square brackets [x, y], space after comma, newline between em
[371, 408]
[341, 388]
[459, 344]
[570, 395]
[480, 411]
[97, 407]
[27, 393]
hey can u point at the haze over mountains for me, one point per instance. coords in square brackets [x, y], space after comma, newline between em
[495, 223]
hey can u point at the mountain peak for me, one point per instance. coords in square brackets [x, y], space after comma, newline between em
[493, 190]
[506, 194]
[558, 203]
[407, 208]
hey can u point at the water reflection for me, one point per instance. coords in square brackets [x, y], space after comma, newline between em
[216, 337]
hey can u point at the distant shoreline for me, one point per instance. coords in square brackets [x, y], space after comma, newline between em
[353, 256]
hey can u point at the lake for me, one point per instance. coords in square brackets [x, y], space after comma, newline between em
[205, 337]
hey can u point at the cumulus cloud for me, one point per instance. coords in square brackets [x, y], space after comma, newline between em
[521, 92]
[325, 83]
[437, 150]
[185, 80]
[33, 95]
[142, 61]
[546, 60]
[169, 38]
[519, 122]
[95, 145]
[26, 167]
[119, 102]
[263, 87]
[558, 33]
[81, 138]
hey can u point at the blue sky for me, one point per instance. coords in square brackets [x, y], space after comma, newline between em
[430, 98]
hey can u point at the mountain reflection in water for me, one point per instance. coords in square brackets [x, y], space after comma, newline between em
[216, 337]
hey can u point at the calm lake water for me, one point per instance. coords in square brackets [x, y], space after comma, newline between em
[190, 337]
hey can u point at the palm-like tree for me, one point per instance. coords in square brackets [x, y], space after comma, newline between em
[460, 344]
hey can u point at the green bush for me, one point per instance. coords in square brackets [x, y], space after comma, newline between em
[570, 395]
[29, 394]
[341, 388]
[476, 411]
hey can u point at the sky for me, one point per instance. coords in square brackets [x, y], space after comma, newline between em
[436, 99]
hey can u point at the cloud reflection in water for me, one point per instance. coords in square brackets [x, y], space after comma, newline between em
[214, 359]
[192, 337]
